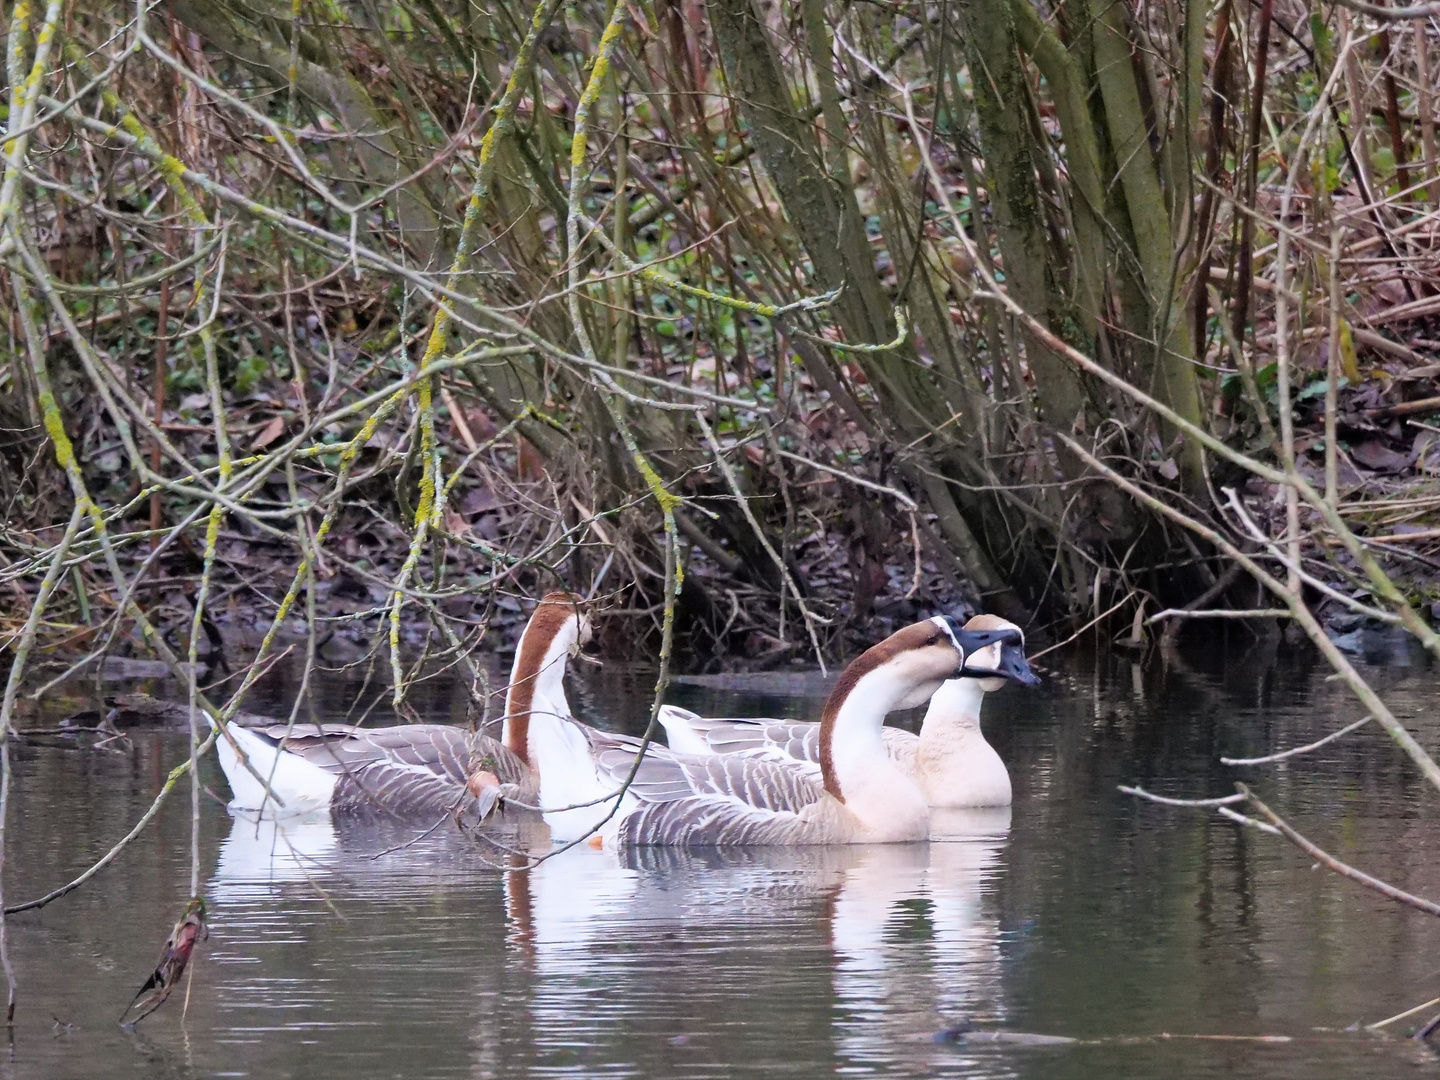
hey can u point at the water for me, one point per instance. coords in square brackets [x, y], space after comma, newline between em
[1089, 916]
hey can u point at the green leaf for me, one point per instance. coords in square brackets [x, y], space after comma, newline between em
[1316, 388]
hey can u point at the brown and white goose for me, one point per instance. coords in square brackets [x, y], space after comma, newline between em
[414, 771]
[949, 760]
[859, 796]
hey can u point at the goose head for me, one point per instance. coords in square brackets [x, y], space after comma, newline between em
[557, 630]
[489, 793]
[901, 672]
[1001, 656]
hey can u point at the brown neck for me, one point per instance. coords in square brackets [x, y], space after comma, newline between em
[549, 618]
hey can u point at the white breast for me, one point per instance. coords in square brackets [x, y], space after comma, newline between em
[563, 757]
[956, 767]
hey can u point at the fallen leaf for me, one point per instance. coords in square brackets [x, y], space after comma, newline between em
[1353, 642]
[481, 426]
[455, 524]
[1369, 396]
[478, 500]
[268, 434]
[1427, 460]
[1375, 455]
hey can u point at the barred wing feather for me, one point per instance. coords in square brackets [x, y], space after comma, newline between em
[416, 770]
[712, 821]
[779, 740]
[792, 739]
[748, 782]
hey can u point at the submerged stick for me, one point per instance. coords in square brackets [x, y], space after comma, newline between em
[1401, 1016]
[1385, 889]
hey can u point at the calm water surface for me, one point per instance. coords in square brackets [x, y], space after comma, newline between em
[1136, 929]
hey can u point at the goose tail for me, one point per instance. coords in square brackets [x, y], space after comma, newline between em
[270, 779]
[680, 732]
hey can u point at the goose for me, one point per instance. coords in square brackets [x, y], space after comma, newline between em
[860, 794]
[949, 760]
[414, 771]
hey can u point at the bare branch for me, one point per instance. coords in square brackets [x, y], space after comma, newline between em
[1298, 750]
[1430, 907]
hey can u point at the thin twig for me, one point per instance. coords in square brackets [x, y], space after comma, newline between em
[1296, 751]
[1430, 907]
[807, 616]
[1241, 819]
[414, 839]
[1219, 613]
[1401, 1016]
[1141, 793]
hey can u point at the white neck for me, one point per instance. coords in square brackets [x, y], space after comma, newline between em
[550, 680]
[955, 706]
[873, 788]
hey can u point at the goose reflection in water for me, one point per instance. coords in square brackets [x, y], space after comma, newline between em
[264, 853]
[915, 950]
[881, 945]
[858, 953]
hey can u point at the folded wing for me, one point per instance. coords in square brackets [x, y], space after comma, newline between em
[719, 799]
[776, 740]
[413, 771]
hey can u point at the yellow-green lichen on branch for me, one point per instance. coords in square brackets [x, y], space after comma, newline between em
[55, 428]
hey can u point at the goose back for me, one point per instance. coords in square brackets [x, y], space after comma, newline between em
[779, 740]
[413, 771]
[717, 799]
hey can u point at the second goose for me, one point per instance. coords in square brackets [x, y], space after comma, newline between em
[949, 760]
